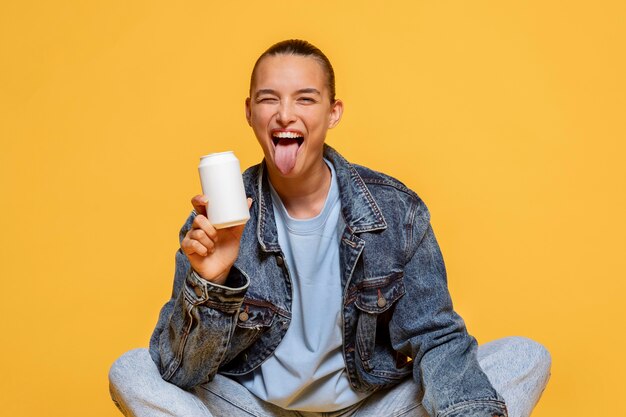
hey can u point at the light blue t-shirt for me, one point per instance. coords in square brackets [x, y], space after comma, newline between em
[307, 370]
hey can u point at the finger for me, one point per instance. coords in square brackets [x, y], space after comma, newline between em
[191, 246]
[249, 203]
[199, 203]
[201, 236]
[202, 223]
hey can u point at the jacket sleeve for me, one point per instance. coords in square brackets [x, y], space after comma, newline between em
[426, 328]
[194, 326]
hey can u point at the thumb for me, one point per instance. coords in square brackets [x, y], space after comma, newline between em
[200, 203]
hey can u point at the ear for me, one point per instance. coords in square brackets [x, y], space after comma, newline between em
[248, 111]
[335, 113]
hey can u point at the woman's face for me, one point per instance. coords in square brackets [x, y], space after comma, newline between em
[290, 112]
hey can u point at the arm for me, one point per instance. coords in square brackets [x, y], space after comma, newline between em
[193, 329]
[426, 328]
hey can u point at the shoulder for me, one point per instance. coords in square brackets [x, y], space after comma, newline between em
[251, 180]
[251, 174]
[390, 192]
[374, 178]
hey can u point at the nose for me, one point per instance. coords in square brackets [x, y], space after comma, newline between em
[286, 113]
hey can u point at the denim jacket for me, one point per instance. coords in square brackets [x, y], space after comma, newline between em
[398, 318]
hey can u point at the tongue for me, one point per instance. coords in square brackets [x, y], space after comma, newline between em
[285, 154]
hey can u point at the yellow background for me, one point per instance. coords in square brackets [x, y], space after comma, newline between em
[506, 117]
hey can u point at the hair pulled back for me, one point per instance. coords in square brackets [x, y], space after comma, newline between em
[301, 48]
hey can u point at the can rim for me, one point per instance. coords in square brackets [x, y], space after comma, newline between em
[216, 154]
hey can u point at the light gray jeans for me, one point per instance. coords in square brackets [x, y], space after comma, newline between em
[517, 367]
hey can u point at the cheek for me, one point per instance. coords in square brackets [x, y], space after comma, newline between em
[263, 111]
[318, 122]
[260, 118]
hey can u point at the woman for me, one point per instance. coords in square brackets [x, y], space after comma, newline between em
[332, 300]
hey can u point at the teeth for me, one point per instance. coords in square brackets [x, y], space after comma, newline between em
[287, 135]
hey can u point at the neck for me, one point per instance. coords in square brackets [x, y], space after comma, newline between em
[304, 196]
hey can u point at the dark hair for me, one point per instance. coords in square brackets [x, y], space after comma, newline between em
[302, 48]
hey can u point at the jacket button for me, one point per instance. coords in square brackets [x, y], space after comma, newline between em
[280, 261]
[198, 290]
[381, 302]
[243, 316]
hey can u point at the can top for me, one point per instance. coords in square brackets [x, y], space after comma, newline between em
[217, 154]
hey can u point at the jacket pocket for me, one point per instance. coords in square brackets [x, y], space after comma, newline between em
[375, 301]
[253, 319]
[255, 315]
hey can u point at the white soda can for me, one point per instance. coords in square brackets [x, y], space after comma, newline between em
[222, 183]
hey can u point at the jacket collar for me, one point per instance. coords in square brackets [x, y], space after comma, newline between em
[360, 211]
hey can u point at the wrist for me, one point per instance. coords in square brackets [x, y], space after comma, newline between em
[219, 279]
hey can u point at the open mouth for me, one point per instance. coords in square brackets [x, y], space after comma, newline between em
[287, 138]
[286, 147]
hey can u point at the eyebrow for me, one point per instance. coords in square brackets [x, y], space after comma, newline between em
[309, 90]
[264, 91]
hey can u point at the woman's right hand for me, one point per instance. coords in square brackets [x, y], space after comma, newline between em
[210, 251]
